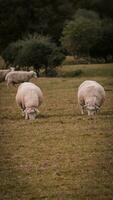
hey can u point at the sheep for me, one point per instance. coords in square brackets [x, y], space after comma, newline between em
[29, 97]
[91, 96]
[19, 77]
[4, 72]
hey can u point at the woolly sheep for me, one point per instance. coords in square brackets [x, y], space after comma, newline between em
[91, 96]
[19, 77]
[4, 72]
[29, 97]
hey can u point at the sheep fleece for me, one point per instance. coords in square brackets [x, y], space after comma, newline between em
[89, 89]
[19, 76]
[29, 95]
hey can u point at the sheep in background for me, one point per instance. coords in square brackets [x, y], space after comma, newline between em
[16, 77]
[91, 96]
[29, 97]
[4, 72]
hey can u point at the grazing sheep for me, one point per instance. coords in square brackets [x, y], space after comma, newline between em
[91, 96]
[16, 77]
[4, 72]
[29, 97]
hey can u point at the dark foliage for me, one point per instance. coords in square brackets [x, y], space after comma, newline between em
[36, 51]
[20, 17]
[48, 17]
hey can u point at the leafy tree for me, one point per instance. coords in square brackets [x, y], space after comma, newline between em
[86, 14]
[20, 17]
[14, 20]
[37, 51]
[103, 7]
[11, 51]
[81, 34]
[104, 46]
[45, 17]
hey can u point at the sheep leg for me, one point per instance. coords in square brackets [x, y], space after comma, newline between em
[82, 110]
[26, 116]
[22, 110]
[89, 113]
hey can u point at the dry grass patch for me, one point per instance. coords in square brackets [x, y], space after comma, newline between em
[61, 155]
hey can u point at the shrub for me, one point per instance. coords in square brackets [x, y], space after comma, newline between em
[52, 73]
[37, 51]
[75, 73]
[78, 72]
[10, 53]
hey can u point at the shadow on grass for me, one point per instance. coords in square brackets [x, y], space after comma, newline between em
[46, 116]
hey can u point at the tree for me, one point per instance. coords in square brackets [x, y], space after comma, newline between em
[14, 20]
[86, 14]
[11, 51]
[20, 17]
[102, 7]
[82, 33]
[37, 51]
[104, 46]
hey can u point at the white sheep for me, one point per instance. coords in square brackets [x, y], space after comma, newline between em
[91, 96]
[29, 97]
[16, 77]
[4, 72]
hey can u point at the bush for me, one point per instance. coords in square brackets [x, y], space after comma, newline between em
[11, 52]
[56, 57]
[75, 73]
[52, 73]
[37, 51]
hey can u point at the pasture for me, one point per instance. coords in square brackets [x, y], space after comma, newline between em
[62, 155]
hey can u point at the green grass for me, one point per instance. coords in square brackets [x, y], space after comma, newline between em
[92, 70]
[61, 155]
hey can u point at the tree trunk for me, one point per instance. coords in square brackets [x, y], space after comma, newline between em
[46, 71]
[89, 58]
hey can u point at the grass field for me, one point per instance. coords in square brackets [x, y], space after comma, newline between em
[61, 155]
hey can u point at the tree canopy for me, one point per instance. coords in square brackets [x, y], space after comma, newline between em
[18, 18]
[37, 51]
[82, 33]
